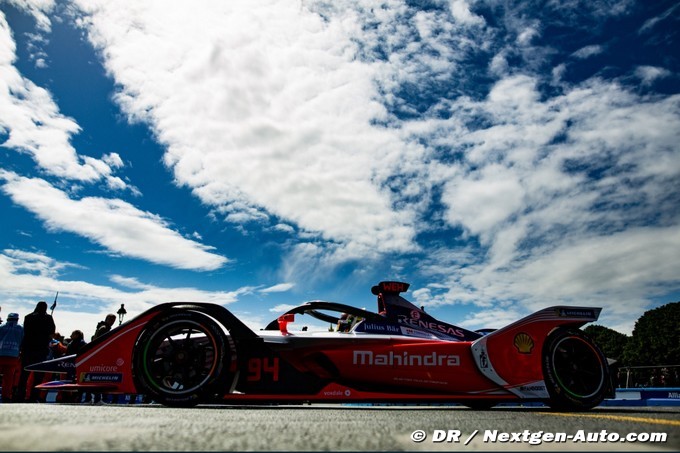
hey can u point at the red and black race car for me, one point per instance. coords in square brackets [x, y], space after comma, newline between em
[184, 353]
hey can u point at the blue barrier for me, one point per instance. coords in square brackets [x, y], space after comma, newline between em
[645, 396]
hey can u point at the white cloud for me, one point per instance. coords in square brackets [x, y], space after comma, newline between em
[33, 263]
[460, 10]
[39, 9]
[282, 227]
[279, 288]
[512, 93]
[276, 113]
[275, 109]
[482, 203]
[260, 123]
[588, 51]
[113, 160]
[571, 11]
[572, 198]
[128, 282]
[636, 260]
[31, 119]
[114, 224]
[649, 74]
[651, 23]
[499, 64]
[492, 318]
[620, 272]
[526, 36]
[26, 277]
[282, 308]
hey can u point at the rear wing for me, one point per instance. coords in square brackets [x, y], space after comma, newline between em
[559, 315]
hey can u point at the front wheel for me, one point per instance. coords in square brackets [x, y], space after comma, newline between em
[181, 358]
[575, 370]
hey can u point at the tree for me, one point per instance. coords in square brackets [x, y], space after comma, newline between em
[656, 338]
[611, 342]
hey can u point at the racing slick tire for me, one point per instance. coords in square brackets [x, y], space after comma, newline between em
[575, 370]
[181, 359]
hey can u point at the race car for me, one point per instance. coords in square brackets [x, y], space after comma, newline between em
[185, 353]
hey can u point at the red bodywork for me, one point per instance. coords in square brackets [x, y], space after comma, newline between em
[407, 363]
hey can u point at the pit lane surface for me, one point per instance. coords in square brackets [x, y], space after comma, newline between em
[51, 427]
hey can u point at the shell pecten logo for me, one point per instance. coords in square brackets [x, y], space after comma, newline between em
[523, 343]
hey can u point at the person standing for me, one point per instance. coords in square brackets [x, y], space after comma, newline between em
[102, 328]
[77, 342]
[38, 330]
[105, 325]
[11, 336]
[74, 346]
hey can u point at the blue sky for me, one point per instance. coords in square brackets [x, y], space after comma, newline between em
[500, 156]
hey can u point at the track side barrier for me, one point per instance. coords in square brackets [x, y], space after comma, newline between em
[645, 396]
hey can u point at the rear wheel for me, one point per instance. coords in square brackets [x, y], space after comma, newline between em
[575, 370]
[181, 358]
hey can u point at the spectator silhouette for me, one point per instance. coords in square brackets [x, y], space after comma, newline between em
[11, 335]
[74, 346]
[57, 346]
[105, 325]
[77, 342]
[102, 328]
[38, 330]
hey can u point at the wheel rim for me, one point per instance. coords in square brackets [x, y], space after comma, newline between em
[180, 357]
[578, 367]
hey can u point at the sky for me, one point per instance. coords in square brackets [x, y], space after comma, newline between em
[500, 156]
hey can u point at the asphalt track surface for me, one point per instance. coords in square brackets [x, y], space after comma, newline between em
[59, 427]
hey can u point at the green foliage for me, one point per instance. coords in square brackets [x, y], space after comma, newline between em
[611, 342]
[656, 338]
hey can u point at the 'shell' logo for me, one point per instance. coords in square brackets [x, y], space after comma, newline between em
[523, 343]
